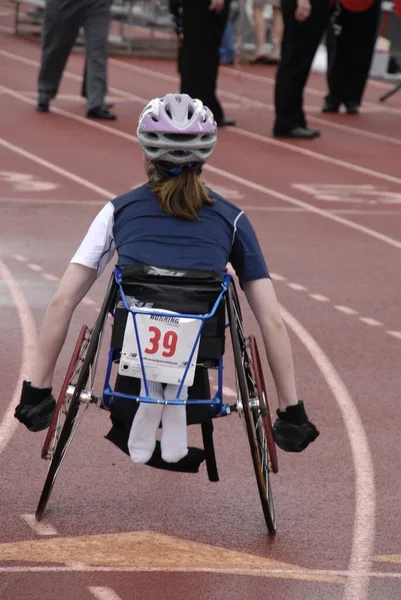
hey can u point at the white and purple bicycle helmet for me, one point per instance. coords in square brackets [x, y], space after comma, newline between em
[177, 129]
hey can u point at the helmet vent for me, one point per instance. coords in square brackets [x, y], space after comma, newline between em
[178, 137]
[150, 135]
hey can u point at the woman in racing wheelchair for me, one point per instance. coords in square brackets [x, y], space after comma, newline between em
[173, 221]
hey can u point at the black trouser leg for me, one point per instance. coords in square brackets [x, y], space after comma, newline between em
[61, 24]
[298, 48]
[203, 31]
[351, 56]
[96, 29]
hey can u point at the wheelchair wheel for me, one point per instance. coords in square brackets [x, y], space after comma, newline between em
[252, 410]
[72, 404]
[263, 403]
[53, 433]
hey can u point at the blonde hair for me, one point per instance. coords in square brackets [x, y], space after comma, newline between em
[180, 195]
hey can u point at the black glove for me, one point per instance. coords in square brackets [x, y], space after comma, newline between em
[36, 407]
[292, 431]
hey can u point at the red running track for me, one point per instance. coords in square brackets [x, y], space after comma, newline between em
[329, 219]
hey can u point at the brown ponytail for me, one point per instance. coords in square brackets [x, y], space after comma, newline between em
[180, 195]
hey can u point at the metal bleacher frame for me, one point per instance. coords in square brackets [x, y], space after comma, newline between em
[391, 29]
[151, 17]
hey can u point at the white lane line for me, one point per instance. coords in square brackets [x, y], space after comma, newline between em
[264, 105]
[220, 172]
[396, 334]
[319, 297]
[77, 566]
[235, 72]
[34, 267]
[360, 563]
[50, 277]
[297, 286]
[227, 391]
[294, 573]
[337, 211]
[263, 139]
[40, 528]
[247, 207]
[20, 258]
[370, 321]
[335, 125]
[360, 555]
[9, 424]
[89, 302]
[277, 277]
[59, 170]
[54, 201]
[103, 593]
[346, 310]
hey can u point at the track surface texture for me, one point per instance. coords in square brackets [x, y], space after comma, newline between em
[328, 214]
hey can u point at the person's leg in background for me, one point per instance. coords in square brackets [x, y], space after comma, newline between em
[96, 28]
[260, 32]
[202, 34]
[260, 26]
[227, 51]
[176, 10]
[277, 33]
[60, 29]
[300, 42]
[351, 57]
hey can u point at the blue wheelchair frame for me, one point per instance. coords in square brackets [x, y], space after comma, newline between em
[218, 407]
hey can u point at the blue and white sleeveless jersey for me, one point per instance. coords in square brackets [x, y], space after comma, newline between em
[134, 226]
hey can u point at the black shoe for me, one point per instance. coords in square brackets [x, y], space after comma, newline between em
[226, 123]
[299, 133]
[352, 108]
[43, 106]
[330, 106]
[100, 113]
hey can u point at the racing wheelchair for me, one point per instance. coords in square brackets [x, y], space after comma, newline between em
[167, 325]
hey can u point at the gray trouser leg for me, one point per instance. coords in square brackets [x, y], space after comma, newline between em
[96, 29]
[61, 24]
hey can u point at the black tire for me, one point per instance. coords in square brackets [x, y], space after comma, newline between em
[250, 410]
[77, 407]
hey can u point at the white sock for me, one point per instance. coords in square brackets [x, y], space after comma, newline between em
[142, 437]
[174, 441]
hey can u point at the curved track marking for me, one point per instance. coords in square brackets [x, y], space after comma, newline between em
[220, 172]
[365, 501]
[9, 424]
[356, 587]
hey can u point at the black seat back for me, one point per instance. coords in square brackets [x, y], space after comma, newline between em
[179, 290]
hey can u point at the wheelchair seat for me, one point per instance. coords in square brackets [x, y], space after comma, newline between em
[187, 291]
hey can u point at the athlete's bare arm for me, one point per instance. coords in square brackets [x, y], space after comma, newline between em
[74, 285]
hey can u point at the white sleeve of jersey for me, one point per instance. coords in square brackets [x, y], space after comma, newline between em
[97, 247]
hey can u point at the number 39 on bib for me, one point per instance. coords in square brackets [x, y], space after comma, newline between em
[166, 344]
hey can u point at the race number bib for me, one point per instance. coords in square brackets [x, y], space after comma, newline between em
[166, 344]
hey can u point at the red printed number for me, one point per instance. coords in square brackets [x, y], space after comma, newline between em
[169, 342]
